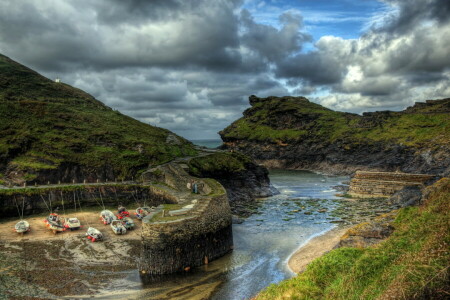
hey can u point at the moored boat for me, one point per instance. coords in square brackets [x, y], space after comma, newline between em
[122, 213]
[143, 211]
[53, 222]
[118, 227]
[128, 223]
[94, 234]
[107, 216]
[22, 227]
[72, 223]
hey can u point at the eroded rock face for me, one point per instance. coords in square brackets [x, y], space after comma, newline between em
[246, 186]
[294, 133]
[408, 196]
[369, 233]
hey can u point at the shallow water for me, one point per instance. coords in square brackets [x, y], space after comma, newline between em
[263, 244]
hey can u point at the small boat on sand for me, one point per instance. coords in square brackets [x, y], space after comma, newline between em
[128, 223]
[72, 224]
[54, 223]
[22, 227]
[118, 227]
[107, 216]
[143, 211]
[122, 213]
[94, 234]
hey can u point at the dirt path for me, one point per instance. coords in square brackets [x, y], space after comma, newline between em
[39, 232]
[315, 248]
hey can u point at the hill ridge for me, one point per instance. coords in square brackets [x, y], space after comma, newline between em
[292, 132]
[54, 132]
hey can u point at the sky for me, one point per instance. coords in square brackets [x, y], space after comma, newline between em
[190, 65]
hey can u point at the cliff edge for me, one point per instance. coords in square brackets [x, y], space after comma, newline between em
[294, 133]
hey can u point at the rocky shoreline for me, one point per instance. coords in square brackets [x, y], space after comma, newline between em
[360, 229]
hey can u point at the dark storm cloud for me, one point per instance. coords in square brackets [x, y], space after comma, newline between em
[64, 35]
[411, 13]
[189, 65]
[314, 67]
[270, 42]
[138, 11]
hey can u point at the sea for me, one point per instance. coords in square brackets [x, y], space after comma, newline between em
[208, 143]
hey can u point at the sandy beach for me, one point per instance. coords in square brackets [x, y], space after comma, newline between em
[315, 248]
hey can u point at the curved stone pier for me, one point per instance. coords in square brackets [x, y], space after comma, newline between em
[202, 231]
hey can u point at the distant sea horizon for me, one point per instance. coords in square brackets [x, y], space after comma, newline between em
[208, 143]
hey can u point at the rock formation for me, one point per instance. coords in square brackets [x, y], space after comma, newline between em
[384, 184]
[294, 133]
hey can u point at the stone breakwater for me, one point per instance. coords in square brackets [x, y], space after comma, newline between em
[174, 242]
[384, 184]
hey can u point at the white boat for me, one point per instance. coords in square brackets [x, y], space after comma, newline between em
[118, 227]
[53, 222]
[72, 223]
[94, 234]
[128, 223]
[107, 216]
[143, 211]
[22, 227]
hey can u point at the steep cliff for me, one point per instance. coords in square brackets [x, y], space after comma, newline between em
[292, 132]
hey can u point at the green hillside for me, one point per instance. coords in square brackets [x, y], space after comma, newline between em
[411, 264]
[286, 120]
[49, 128]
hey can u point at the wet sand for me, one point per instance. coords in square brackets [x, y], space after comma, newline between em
[315, 248]
[46, 265]
[39, 232]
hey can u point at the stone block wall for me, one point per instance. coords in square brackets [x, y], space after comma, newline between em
[37, 199]
[202, 236]
[383, 184]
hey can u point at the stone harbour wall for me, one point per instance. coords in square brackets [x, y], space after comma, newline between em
[384, 184]
[192, 241]
[40, 199]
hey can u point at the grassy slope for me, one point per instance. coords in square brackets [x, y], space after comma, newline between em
[304, 120]
[44, 124]
[220, 164]
[412, 263]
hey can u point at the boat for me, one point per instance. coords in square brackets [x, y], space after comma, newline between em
[122, 213]
[94, 234]
[128, 223]
[53, 222]
[72, 224]
[118, 227]
[22, 227]
[107, 216]
[142, 212]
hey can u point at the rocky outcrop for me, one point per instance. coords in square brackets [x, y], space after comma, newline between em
[384, 184]
[408, 196]
[293, 133]
[369, 233]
